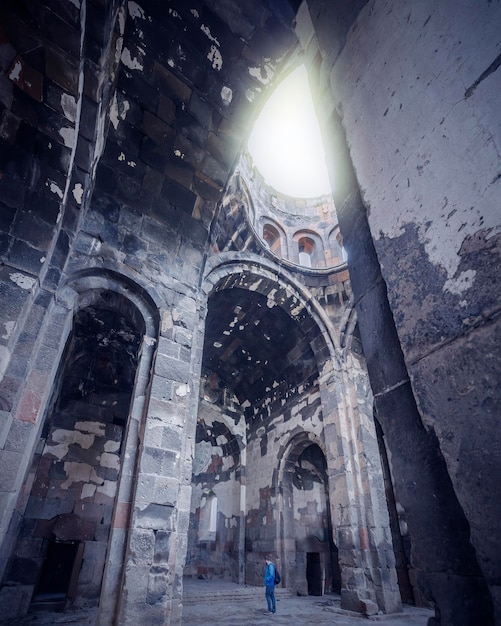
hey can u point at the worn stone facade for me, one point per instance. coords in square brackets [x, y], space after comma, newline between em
[196, 371]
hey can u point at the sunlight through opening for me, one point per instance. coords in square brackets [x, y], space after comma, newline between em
[285, 143]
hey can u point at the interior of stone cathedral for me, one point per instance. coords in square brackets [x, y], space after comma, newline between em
[199, 369]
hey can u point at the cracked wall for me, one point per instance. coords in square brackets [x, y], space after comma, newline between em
[417, 159]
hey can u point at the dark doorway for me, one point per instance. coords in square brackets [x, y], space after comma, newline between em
[314, 574]
[58, 576]
[336, 570]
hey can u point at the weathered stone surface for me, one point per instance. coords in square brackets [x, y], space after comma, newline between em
[174, 385]
[15, 600]
[172, 369]
[156, 516]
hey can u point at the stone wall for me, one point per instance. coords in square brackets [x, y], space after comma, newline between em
[216, 546]
[408, 99]
[115, 148]
[292, 219]
[120, 124]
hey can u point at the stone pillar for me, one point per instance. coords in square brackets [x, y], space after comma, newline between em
[110, 590]
[152, 583]
[356, 492]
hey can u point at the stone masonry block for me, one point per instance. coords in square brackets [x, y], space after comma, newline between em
[156, 517]
[214, 170]
[166, 109]
[169, 412]
[162, 390]
[33, 231]
[142, 545]
[186, 308]
[19, 435]
[159, 462]
[156, 129]
[66, 35]
[57, 127]
[42, 508]
[168, 347]
[171, 438]
[153, 433]
[135, 88]
[5, 424]
[158, 489]
[207, 188]
[172, 369]
[184, 336]
[189, 151]
[9, 125]
[63, 70]
[12, 191]
[170, 85]
[166, 490]
[158, 584]
[193, 229]
[11, 464]
[191, 128]
[202, 110]
[7, 215]
[27, 78]
[135, 587]
[162, 546]
[25, 257]
[15, 601]
[153, 181]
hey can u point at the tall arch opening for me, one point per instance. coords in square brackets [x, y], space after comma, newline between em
[258, 365]
[75, 472]
[312, 557]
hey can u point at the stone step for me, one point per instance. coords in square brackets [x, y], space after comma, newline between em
[197, 592]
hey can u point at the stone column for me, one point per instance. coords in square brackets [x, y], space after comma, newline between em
[152, 583]
[356, 492]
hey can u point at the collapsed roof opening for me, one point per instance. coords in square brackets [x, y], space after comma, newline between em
[286, 144]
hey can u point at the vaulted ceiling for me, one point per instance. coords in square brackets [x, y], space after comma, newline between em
[255, 349]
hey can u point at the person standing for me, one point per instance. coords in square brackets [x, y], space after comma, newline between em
[269, 581]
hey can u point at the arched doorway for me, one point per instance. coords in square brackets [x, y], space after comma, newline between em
[295, 391]
[312, 560]
[75, 471]
[262, 348]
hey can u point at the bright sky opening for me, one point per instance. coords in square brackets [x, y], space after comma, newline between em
[286, 144]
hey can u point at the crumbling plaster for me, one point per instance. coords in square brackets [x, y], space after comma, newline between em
[418, 197]
[440, 173]
[432, 206]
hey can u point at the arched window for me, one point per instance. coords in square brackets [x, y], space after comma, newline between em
[271, 237]
[208, 518]
[336, 249]
[306, 248]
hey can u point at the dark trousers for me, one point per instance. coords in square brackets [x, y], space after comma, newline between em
[270, 598]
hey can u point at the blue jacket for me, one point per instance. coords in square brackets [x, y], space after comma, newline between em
[269, 575]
